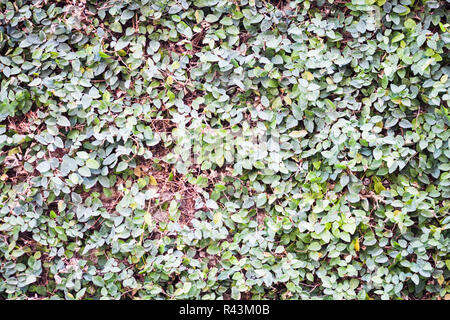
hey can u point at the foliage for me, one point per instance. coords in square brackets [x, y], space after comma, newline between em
[348, 199]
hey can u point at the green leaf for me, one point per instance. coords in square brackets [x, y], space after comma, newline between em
[84, 171]
[92, 164]
[410, 24]
[44, 166]
[36, 82]
[103, 55]
[122, 166]
[63, 121]
[377, 154]
[398, 36]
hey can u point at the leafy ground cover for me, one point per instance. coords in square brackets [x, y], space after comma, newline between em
[219, 149]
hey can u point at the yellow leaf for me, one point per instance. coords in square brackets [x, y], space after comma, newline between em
[307, 76]
[440, 280]
[357, 245]
[217, 217]
[298, 133]
[397, 100]
[61, 205]
[148, 218]
[287, 100]
[175, 65]
[13, 151]
[137, 171]
[153, 181]
[197, 16]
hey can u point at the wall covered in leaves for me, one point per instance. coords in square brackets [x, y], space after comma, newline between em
[347, 198]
